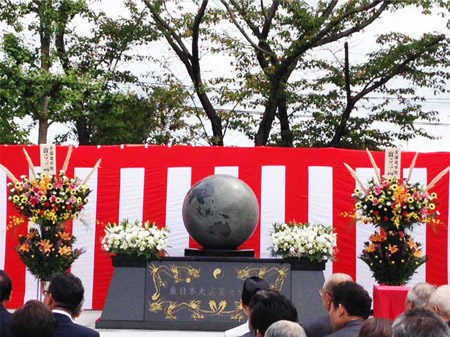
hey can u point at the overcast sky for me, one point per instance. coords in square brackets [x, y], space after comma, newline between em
[409, 21]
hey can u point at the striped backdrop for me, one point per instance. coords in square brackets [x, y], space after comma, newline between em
[149, 183]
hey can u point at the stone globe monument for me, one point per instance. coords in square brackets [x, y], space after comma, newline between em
[220, 212]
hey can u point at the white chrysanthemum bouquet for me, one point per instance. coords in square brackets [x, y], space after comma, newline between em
[135, 238]
[297, 240]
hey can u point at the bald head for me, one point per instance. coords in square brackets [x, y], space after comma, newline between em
[327, 289]
[419, 295]
[439, 302]
[335, 279]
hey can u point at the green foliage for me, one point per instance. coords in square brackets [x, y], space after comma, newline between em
[47, 252]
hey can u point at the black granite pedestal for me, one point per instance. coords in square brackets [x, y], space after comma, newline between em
[202, 293]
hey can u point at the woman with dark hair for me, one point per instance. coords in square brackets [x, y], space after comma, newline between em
[376, 327]
[34, 319]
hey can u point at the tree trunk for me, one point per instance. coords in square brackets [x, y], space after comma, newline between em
[43, 128]
[84, 137]
[287, 139]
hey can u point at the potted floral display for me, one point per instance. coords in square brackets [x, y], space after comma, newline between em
[45, 202]
[303, 241]
[394, 206]
[135, 239]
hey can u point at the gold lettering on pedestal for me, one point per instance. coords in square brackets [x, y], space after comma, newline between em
[183, 277]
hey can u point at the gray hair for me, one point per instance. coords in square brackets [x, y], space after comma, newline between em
[285, 328]
[441, 299]
[420, 294]
[420, 322]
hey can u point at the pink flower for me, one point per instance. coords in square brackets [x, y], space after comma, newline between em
[36, 189]
[378, 190]
[52, 199]
[59, 183]
[424, 211]
[375, 201]
[34, 201]
[72, 200]
[25, 186]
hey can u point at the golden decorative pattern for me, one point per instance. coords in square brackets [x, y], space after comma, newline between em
[264, 273]
[186, 274]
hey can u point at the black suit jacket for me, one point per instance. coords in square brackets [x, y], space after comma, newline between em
[321, 327]
[5, 322]
[66, 328]
[350, 329]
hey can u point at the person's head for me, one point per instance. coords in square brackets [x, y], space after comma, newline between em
[326, 291]
[350, 301]
[420, 322]
[376, 327]
[419, 295]
[285, 328]
[34, 319]
[250, 287]
[267, 307]
[5, 287]
[439, 302]
[65, 292]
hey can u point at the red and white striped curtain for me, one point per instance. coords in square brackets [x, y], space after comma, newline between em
[150, 183]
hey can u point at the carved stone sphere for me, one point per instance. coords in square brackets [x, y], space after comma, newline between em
[220, 212]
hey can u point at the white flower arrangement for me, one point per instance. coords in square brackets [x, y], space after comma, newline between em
[135, 238]
[292, 240]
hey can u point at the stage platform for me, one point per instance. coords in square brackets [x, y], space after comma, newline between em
[88, 318]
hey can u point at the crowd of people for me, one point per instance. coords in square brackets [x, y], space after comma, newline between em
[55, 317]
[427, 312]
[270, 313]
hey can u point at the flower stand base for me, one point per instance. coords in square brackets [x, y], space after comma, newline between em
[202, 293]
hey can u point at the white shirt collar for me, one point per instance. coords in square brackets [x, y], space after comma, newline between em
[62, 312]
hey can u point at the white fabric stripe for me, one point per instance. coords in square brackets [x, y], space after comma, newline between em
[419, 175]
[84, 229]
[320, 201]
[3, 218]
[363, 232]
[273, 195]
[131, 193]
[31, 283]
[178, 185]
[230, 170]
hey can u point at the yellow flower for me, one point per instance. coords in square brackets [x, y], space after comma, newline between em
[431, 206]
[410, 200]
[24, 200]
[45, 246]
[418, 253]
[15, 198]
[370, 197]
[393, 249]
[43, 198]
[49, 186]
[24, 247]
[18, 185]
[358, 205]
[394, 187]
[66, 236]
[433, 195]
[371, 248]
[65, 250]
[58, 200]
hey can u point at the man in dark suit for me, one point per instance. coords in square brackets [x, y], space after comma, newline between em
[267, 307]
[5, 295]
[65, 297]
[250, 287]
[321, 327]
[349, 309]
